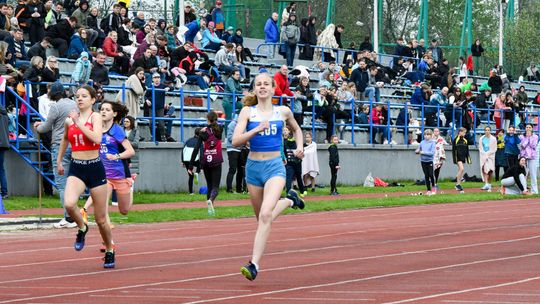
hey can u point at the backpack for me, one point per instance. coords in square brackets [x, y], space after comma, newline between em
[212, 154]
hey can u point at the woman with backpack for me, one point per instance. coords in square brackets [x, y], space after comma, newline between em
[290, 35]
[212, 158]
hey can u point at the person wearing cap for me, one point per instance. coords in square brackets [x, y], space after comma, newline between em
[227, 35]
[210, 40]
[218, 18]
[58, 112]
[83, 69]
[189, 14]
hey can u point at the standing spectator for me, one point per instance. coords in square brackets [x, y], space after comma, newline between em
[327, 39]
[93, 24]
[136, 84]
[514, 180]
[36, 22]
[100, 73]
[271, 32]
[476, 52]
[337, 33]
[83, 68]
[460, 154]
[157, 97]
[528, 146]
[287, 11]
[487, 149]
[78, 44]
[233, 86]
[293, 164]
[310, 162]
[436, 51]
[234, 155]
[55, 121]
[61, 33]
[440, 155]
[111, 49]
[500, 157]
[511, 147]
[4, 146]
[218, 18]
[532, 73]
[211, 160]
[498, 111]
[82, 14]
[426, 149]
[333, 162]
[360, 77]
[5, 23]
[462, 66]
[189, 14]
[187, 152]
[290, 34]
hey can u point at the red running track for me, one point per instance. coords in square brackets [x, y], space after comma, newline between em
[458, 253]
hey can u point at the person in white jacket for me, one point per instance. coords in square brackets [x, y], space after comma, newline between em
[487, 148]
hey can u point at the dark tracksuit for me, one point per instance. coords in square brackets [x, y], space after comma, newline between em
[294, 165]
[333, 162]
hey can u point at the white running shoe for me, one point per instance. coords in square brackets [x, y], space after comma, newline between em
[114, 203]
[485, 187]
[211, 211]
[65, 224]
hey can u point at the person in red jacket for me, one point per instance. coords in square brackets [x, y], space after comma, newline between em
[282, 85]
[121, 60]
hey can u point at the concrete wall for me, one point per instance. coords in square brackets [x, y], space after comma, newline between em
[162, 171]
[21, 178]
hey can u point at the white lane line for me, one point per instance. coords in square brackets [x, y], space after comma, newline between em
[141, 296]
[395, 274]
[368, 292]
[438, 295]
[43, 287]
[197, 289]
[138, 286]
[513, 294]
[277, 253]
[486, 302]
[329, 300]
[367, 231]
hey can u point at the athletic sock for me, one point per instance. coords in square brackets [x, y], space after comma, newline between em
[256, 266]
[84, 228]
[112, 250]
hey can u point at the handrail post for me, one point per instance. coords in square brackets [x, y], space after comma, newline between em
[423, 120]
[389, 118]
[182, 115]
[352, 122]
[474, 125]
[124, 94]
[233, 100]
[371, 122]
[28, 89]
[313, 118]
[406, 122]
[153, 120]
[208, 100]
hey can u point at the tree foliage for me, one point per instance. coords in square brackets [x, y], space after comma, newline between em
[521, 46]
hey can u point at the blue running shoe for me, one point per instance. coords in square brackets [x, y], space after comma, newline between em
[298, 202]
[79, 241]
[109, 260]
[249, 271]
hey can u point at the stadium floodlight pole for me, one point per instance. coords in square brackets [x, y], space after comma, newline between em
[501, 38]
[376, 26]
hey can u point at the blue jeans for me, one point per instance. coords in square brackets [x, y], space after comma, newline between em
[290, 50]
[373, 93]
[3, 179]
[61, 180]
[198, 80]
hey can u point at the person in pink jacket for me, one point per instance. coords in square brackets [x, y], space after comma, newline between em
[527, 147]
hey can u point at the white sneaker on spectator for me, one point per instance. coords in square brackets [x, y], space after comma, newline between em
[393, 142]
[385, 142]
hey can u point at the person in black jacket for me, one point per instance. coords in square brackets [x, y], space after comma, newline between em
[50, 73]
[460, 155]
[293, 166]
[158, 99]
[476, 52]
[514, 180]
[39, 49]
[360, 77]
[33, 74]
[92, 22]
[60, 34]
[333, 161]
[4, 146]
[100, 73]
